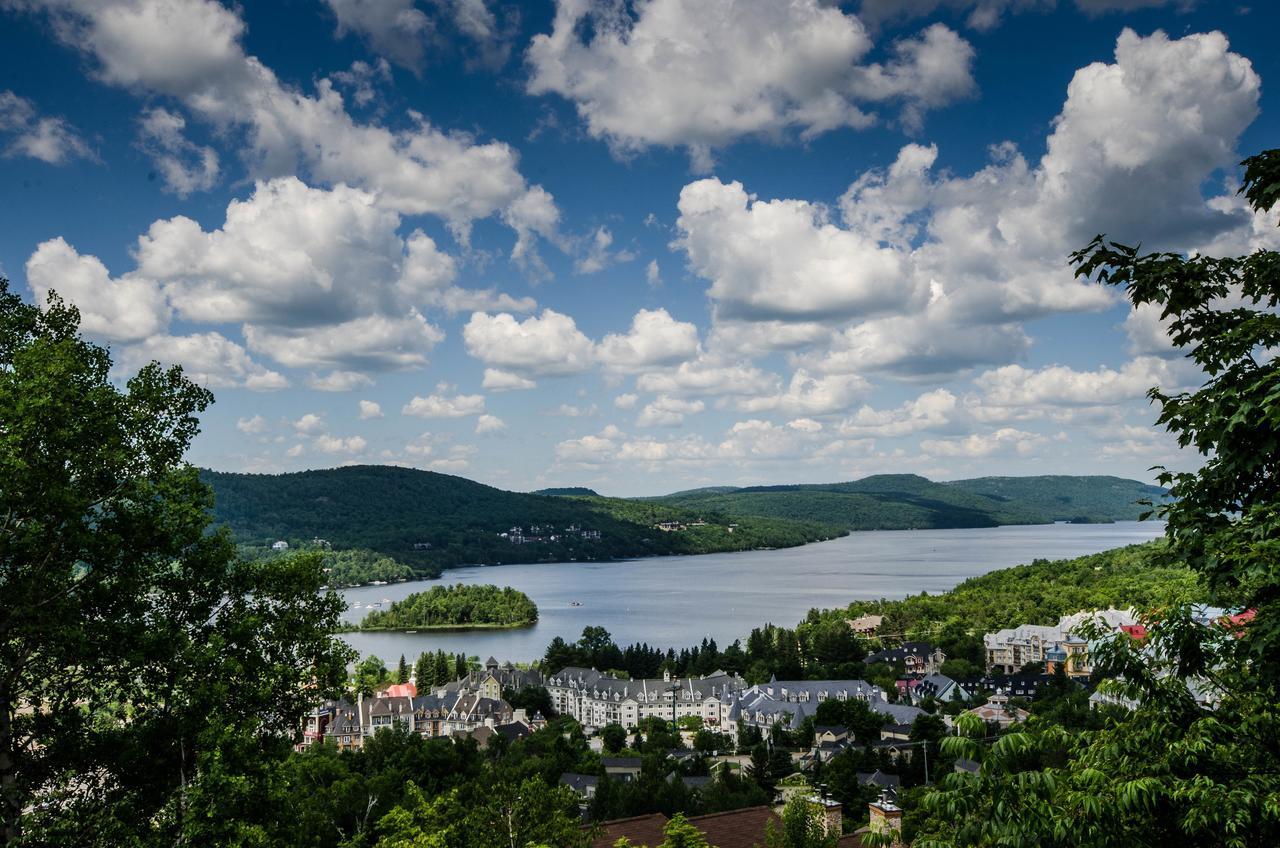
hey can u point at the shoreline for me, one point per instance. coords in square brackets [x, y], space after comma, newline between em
[444, 570]
[438, 627]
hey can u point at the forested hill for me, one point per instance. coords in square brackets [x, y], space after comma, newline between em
[432, 521]
[908, 501]
[1064, 498]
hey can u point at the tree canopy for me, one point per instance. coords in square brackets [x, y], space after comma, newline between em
[456, 606]
[145, 670]
[1197, 759]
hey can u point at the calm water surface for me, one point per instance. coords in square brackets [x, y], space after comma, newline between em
[677, 601]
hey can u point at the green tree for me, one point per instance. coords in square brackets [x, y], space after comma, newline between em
[1173, 770]
[708, 741]
[678, 833]
[614, 737]
[760, 768]
[498, 815]
[141, 662]
[370, 673]
[959, 669]
[402, 671]
[803, 826]
[424, 672]
[442, 669]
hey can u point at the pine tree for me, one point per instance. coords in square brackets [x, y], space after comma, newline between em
[424, 672]
[402, 671]
[441, 675]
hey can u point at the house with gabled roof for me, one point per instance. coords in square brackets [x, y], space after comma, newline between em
[940, 688]
[917, 658]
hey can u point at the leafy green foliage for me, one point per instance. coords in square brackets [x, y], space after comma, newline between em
[802, 827]
[455, 607]
[1177, 769]
[342, 568]
[144, 668]
[530, 813]
[358, 567]
[614, 737]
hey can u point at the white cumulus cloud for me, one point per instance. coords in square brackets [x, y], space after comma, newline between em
[701, 74]
[544, 345]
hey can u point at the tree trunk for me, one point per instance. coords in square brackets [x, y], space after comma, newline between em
[10, 799]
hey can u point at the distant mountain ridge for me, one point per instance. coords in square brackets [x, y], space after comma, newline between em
[432, 521]
[909, 501]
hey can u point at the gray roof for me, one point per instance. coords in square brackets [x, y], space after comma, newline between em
[690, 689]
[900, 713]
[620, 762]
[579, 782]
[879, 778]
[791, 701]
[344, 721]
[514, 730]
[914, 649]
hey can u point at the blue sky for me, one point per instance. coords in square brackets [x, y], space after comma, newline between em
[635, 246]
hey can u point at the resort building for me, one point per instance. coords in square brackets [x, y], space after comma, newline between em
[1010, 649]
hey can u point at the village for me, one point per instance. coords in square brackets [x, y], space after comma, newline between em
[517, 535]
[718, 721]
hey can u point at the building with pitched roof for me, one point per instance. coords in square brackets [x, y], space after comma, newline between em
[915, 657]
[1010, 649]
[595, 699]
[789, 702]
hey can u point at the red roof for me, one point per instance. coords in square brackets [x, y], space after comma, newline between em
[1237, 621]
[743, 828]
[639, 830]
[1137, 631]
[737, 828]
[401, 690]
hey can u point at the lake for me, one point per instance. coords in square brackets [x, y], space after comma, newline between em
[677, 601]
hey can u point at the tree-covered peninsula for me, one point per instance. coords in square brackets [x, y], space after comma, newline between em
[456, 607]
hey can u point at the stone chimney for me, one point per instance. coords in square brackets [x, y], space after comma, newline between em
[886, 816]
[832, 814]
